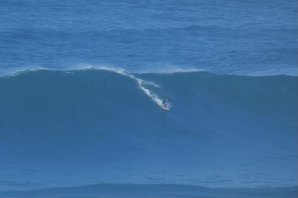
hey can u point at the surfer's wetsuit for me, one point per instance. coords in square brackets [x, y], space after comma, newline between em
[165, 103]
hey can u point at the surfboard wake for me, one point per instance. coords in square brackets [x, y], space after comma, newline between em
[143, 85]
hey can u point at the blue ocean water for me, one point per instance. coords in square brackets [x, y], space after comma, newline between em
[82, 85]
[239, 37]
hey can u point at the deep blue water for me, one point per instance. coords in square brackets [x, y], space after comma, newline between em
[82, 85]
[239, 37]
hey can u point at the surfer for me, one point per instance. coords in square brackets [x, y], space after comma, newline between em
[165, 103]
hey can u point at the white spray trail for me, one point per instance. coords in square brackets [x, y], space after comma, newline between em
[149, 93]
[141, 83]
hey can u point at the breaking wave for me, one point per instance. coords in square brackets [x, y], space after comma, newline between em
[79, 127]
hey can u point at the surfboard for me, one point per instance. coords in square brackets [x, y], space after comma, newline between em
[165, 107]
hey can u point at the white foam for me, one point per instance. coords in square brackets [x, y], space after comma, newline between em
[169, 69]
[150, 93]
[10, 72]
[159, 69]
[151, 84]
[274, 72]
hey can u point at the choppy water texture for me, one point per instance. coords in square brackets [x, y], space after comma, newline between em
[239, 37]
[82, 85]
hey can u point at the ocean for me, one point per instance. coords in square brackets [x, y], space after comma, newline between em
[151, 98]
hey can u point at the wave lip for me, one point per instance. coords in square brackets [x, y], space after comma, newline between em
[170, 69]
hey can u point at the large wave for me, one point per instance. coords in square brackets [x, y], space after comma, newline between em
[104, 126]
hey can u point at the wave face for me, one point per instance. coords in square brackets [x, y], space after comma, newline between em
[65, 128]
